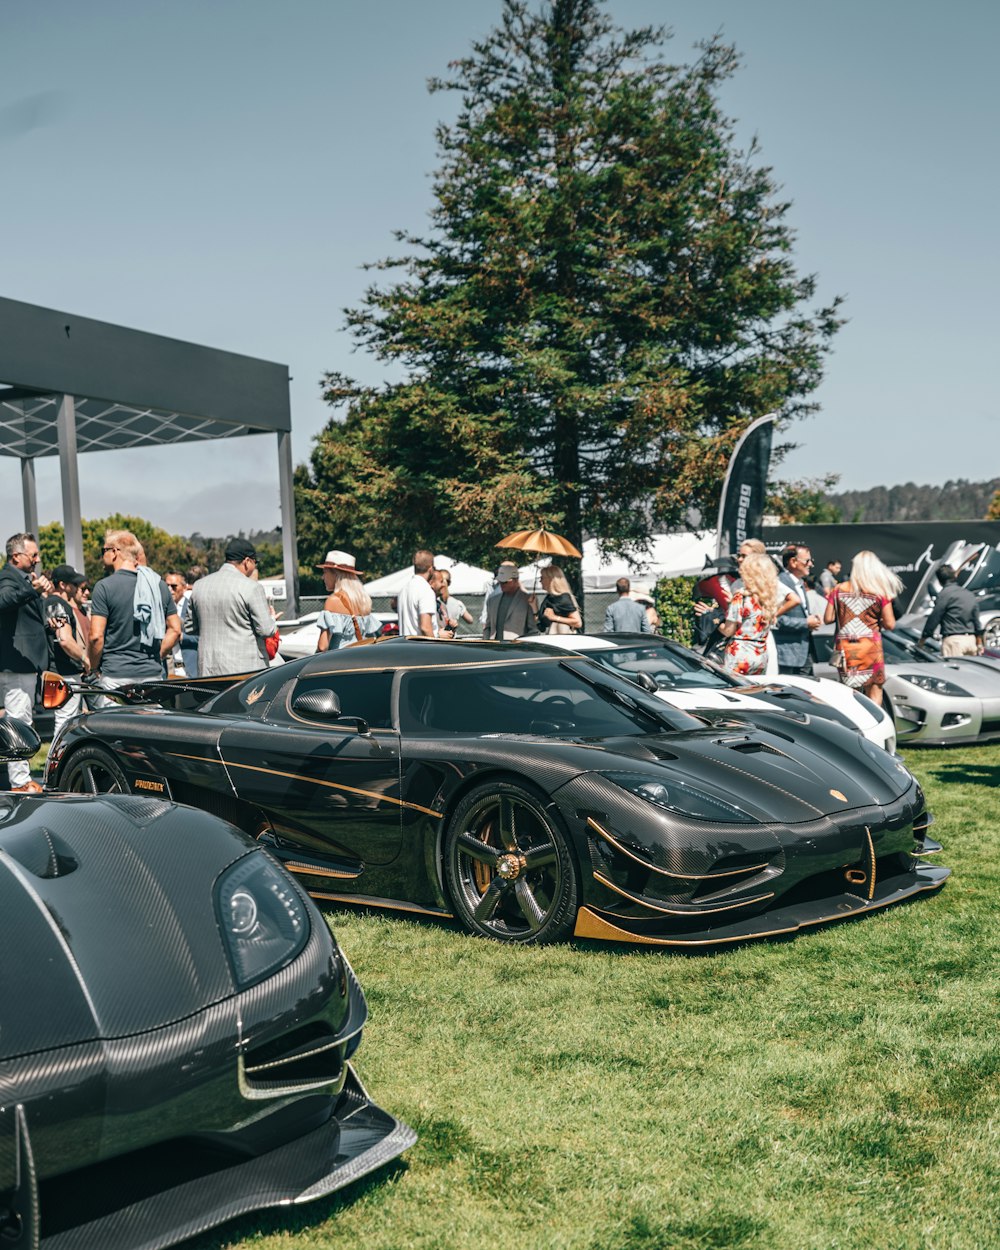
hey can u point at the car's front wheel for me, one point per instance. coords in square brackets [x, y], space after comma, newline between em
[509, 869]
[92, 770]
[991, 632]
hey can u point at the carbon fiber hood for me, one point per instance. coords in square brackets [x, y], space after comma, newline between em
[107, 921]
[821, 771]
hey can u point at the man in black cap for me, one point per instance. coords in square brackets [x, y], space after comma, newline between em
[231, 616]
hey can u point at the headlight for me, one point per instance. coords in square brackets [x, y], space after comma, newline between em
[936, 685]
[264, 924]
[680, 797]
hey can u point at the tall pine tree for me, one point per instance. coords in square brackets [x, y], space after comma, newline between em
[605, 299]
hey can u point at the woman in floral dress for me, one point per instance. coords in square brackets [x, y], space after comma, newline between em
[862, 608]
[751, 614]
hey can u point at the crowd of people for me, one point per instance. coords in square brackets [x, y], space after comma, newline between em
[751, 607]
[138, 626]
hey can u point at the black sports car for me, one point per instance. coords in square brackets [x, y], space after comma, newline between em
[175, 1027]
[529, 794]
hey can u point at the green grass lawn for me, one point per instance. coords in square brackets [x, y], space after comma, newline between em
[835, 1090]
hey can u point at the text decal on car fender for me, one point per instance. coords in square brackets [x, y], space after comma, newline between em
[151, 785]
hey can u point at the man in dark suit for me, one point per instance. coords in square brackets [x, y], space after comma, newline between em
[24, 640]
[793, 629]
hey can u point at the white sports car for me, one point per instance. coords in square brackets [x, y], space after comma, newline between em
[687, 680]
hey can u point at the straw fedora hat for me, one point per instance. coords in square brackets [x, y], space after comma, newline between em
[342, 561]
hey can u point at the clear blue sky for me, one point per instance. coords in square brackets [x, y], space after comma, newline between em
[220, 171]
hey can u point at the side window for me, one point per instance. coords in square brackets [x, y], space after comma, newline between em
[368, 695]
[253, 696]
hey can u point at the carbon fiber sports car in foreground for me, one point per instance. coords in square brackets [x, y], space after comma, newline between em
[530, 795]
[175, 1027]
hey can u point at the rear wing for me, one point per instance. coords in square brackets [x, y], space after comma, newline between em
[179, 694]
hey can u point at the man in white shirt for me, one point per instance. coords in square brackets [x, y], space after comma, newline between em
[418, 602]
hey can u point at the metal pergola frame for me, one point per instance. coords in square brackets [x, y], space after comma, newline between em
[69, 384]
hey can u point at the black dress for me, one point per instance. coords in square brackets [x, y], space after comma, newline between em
[561, 605]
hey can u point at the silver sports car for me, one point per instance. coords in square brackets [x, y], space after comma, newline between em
[934, 701]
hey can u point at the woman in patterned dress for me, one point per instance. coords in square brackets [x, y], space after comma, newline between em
[862, 608]
[752, 611]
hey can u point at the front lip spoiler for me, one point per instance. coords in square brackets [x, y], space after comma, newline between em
[358, 1138]
[591, 922]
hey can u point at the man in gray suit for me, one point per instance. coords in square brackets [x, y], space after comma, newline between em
[625, 616]
[231, 616]
[510, 614]
[793, 629]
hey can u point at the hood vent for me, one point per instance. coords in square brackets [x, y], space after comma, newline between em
[40, 852]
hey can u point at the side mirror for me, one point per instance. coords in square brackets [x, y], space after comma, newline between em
[323, 704]
[55, 691]
[646, 682]
[18, 741]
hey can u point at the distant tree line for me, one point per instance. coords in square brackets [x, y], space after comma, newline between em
[954, 501]
[165, 552]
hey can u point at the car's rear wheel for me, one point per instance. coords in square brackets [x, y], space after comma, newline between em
[991, 632]
[93, 770]
[509, 869]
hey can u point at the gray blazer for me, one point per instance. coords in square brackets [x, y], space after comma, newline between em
[520, 618]
[231, 618]
[791, 633]
[625, 616]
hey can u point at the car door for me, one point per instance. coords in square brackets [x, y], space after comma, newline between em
[329, 787]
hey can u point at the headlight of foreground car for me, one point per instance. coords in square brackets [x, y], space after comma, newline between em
[264, 924]
[678, 796]
[936, 685]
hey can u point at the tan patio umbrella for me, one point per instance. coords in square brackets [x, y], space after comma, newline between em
[544, 542]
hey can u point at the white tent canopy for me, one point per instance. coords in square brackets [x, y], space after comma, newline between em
[466, 579]
[668, 555]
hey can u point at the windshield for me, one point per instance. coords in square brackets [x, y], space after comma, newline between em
[671, 669]
[572, 698]
[900, 650]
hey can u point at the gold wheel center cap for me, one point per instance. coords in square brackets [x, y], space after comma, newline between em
[509, 867]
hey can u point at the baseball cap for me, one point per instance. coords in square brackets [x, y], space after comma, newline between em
[239, 549]
[68, 574]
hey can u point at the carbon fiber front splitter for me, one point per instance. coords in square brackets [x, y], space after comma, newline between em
[357, 1139]
[606, 926]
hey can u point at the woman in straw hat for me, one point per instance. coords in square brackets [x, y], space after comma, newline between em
[347, 613]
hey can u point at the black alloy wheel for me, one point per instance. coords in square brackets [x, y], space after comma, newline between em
[93, 770]
[509, 869]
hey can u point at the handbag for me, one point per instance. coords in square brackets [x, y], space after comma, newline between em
[838, 659]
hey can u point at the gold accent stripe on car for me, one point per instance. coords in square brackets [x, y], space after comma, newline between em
[315, 781]
[360, 900]
[308, 870]
[692, 910]
[676, 876]
[589, 924]
[871, 860]
[417, 668]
